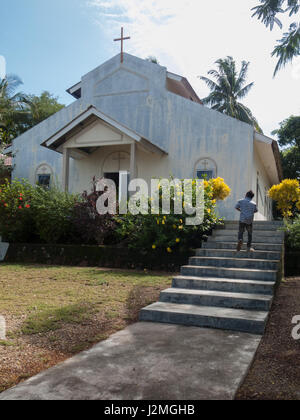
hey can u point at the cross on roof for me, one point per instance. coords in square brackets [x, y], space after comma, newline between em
[122, 39]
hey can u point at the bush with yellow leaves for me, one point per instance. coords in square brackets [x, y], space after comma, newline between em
[286, 195]
[220, 189]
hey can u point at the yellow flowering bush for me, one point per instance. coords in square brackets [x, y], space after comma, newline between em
[170, 233]
[286, 195]
[220, 189]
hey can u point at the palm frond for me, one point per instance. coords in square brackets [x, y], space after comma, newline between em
[242, 75]
[214, 98]
[9, 84]
[267, 11]
[244, 91]
[210, 83]
[293, 7]
[228, 88]
[288, 47]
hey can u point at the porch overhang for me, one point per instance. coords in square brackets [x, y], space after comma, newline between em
[269, 154]
[86, 119]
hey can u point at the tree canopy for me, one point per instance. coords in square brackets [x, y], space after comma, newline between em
[228, 89]
[288, 46]
[19, 112]
[42, 107]
[152, 59]
[289, 138]
[13, 113]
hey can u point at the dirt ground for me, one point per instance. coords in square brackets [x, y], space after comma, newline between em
[53, 313]
[275, 373]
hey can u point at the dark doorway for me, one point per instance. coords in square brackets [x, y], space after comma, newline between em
[114, 176]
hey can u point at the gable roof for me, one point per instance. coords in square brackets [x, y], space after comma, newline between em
[175, 83]
[269, 153]
[181, 86]
[88, 116]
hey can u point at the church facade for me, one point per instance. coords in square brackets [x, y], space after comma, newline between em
[137, 118]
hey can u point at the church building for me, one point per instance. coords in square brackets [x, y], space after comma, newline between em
[131, 116]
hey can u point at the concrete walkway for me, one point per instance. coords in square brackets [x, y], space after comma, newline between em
[149, 361]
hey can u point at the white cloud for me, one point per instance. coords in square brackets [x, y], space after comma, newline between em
[188, 36]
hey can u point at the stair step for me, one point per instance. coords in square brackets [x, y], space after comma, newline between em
[224, 285]
[217, 298]
[231, 253]
[256, 233]
[232, 245]
[256, 239]
[259, 264]
[202, 316]
[233, 273]
[256, 228]
[222, 288]
[257, 223]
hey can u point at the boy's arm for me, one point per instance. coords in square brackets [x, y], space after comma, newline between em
[238, 206]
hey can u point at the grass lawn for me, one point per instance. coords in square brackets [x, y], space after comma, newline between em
[54, 312]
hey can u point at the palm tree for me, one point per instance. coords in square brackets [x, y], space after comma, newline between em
[13, 112]
[152, 59]
[289, 46]
[228, 89]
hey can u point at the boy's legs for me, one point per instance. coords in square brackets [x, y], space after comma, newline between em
[249, 230]
[242, 227]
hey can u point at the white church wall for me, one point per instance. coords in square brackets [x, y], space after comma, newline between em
[186, 130]
[259, 174]
[28, 154]
[199, 132]
[137, 96]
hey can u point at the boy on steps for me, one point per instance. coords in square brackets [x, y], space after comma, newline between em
[247, 207]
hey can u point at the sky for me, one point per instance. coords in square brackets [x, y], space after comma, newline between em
[51, 44]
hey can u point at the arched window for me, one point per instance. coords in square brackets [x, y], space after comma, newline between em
[44, 175]
[115, 162]
[205, 168]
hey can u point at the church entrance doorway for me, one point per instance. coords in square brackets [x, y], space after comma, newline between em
[114, 176]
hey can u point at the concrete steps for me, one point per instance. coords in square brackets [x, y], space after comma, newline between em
[257, 225]
[232, 245]
[221, 288]
[231, 253]
[232, 273]
[217, 298]
[258, 239]
[257, 233]
[225, 285]
[206, 316]
[262, 264]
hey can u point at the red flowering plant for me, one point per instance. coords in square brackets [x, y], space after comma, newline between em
[34, 214]
[90, 226]
[16, 222]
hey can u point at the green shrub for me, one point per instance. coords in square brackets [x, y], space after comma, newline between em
[31, 213]
[167, 233]
[34, 214]
[16, 218]
[292, 229]
[52, 213]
